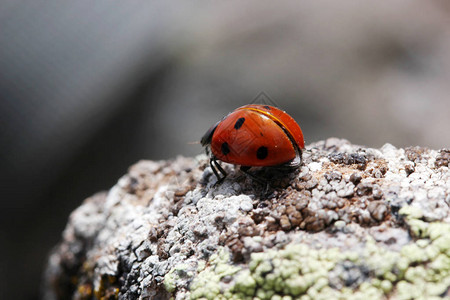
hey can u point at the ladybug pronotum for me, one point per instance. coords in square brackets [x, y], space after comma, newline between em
[254, 136]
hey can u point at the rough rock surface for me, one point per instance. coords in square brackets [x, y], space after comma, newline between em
[353, 223]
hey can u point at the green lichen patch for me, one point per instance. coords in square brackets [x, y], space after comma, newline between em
[421, 269]
[207, 285]
[174, 275]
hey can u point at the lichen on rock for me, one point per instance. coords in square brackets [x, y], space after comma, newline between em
[353, 223]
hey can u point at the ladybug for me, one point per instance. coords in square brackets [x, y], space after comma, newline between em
[254, 135]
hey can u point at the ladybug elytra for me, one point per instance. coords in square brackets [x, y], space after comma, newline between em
[254, 136]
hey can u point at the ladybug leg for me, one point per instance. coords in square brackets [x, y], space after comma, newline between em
[245, 169]
[260, 180]
[216, 166]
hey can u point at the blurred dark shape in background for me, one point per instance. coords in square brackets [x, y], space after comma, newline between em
[89, 87]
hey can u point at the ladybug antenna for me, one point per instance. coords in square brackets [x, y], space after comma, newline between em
[263, 98]
[194, 143]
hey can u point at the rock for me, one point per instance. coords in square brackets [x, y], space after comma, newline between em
[354, 222]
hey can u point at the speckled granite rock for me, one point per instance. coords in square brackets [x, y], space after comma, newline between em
[354, 223]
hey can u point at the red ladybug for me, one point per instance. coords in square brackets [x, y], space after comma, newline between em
[254, 136]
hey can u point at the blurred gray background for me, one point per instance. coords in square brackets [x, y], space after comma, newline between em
[89, 87]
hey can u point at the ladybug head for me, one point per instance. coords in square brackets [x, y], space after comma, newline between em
[207, 137]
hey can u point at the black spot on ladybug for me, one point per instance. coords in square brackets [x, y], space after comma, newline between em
[262, 152]
[261, 134]
[267, 107]
[225, 148]
[239, 123]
